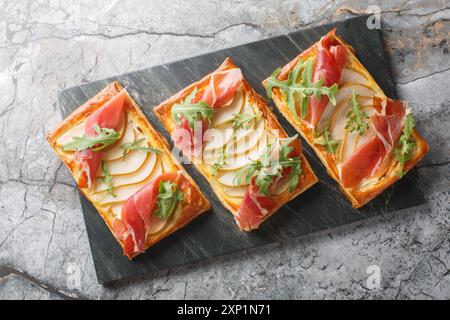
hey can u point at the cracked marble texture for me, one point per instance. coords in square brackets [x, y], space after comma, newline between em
[46, 46]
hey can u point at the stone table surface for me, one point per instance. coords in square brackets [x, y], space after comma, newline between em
[46, 46]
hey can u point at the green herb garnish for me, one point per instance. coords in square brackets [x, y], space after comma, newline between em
[218, 164]
[303, 89]
[107, 179]
[356, 117]
[128, 146]
[104, 138]
[168, 199]
[242, 120]
[265, 169]
[325, 140]
[406, 144]
[191, 111]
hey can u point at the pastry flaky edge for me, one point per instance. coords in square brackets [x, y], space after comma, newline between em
[163, 112]
[189, 211]
[358, 196]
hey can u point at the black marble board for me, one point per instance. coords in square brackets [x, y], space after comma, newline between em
[215, 233]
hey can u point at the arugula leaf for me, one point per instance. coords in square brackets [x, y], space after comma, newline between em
[302, 88]
[406, 144]
[356, 117]
[218, 164]
[242, 119]
[128, 146]
[245, 174]
[104, 138]
[107, 179]
[191, 111]
[329, 144]
[168, 199]
[266, 168]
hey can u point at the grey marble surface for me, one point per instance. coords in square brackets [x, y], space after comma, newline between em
[46, 46]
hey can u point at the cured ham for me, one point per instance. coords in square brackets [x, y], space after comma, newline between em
[255, 206]
[330, 62]
[221, 88]
[137, 214]
[366, 160]
[107, 116]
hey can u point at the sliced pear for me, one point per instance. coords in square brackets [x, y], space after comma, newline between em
[338, 118]
[75, 131]
[281, 187]
[236, 191]
[217, 138]
[226, 113]
[140, 175]
[235, 161]
[227, 178]
[123, 192]
[342, 97]
[134, 161]
[353, 139]
[250, 140]
[350, 75]
[116, 152]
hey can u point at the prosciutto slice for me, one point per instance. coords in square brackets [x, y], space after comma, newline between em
[255, 206]
[366, 160]
[107, 116]
[331, 60]
[137, 219]
[221, 88]
[219, 92]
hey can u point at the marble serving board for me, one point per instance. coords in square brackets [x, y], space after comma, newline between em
[215, 233]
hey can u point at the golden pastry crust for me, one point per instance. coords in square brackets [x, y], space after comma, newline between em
[357, 195]
[194, 204]
[163, 112]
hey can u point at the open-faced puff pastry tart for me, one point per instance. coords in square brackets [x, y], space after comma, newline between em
[365, 140]
[229, 133]
[125, 168]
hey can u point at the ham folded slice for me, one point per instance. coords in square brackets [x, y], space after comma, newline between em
[219, 92]
[137, 215]
[221, 88]
[107, 116]
[366, 160]
[255, 207]
[330, 62]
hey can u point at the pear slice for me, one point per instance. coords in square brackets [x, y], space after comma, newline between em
[116, 152]
[250, 140]
[134, 160]
[235, 161]
[134, 177]
[75, 131]
[236, 191]
[338, 119]
[217, 138]
[227, 113]
[227, 179]
[281, 187]
[342, 97]
[124, 192]
[353, 139]
[350, 75]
